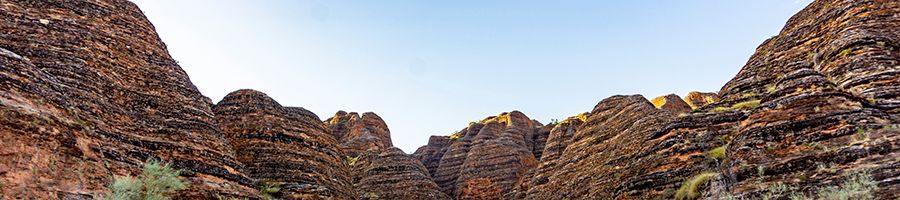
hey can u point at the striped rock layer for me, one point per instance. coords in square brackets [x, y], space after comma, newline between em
[287, 147]
[88, 92]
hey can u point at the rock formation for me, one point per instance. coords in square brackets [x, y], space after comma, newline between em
[699, 99]
[392, 174]
[825, 86]
[559, 139]
[89, 92]
[499, 148]
[287, 147]
[480, 189]
[359, 133]
[814, 106]
[671, 103]
[430, 155]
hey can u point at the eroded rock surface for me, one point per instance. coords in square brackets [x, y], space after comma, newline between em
[430, 155]
[480, 189]
[824, 86]
[89, 92]
[392, 174]
[359, 133]
[671, 103]
[800, 116]
[288, 147]
[499, 148]
[699, 99]
[89, 86]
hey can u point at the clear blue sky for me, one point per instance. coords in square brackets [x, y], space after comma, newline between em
[430, 67]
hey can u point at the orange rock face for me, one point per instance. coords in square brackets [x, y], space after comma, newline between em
[88, 92]
[699, 99]
[480, 189]
[671, 103]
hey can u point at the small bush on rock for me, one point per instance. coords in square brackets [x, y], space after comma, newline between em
[268, 189]
[717, 153]
[157, 181]
[688, 190]
[857, 186]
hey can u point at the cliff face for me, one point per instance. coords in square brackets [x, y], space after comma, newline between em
[89, 92]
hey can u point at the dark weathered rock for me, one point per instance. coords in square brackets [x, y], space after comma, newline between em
[89, 92]
[539, 140]
[285, 146]
[671, 103]
[391, 174]
[430, 155]
[358, 134]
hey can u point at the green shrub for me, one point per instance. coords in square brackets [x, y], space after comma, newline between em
[688, 189]
[157, 181]
[352, 160]
[125, 188]
[268, 189]
[721, 109]
[844, 52]
[717, 153]
[746, 105]
[454, 136]
[857, 186]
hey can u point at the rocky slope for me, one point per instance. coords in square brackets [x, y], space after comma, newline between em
[378, 169]
[287, 147]
[392, 174]
[359, 133]
[815, 106]
[88, 92]
[499, 148]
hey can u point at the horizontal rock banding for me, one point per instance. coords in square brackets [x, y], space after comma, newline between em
[283, 146]
[88, 85]
[392, 174]
[357, 134]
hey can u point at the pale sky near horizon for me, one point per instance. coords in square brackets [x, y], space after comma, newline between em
[431, 67]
